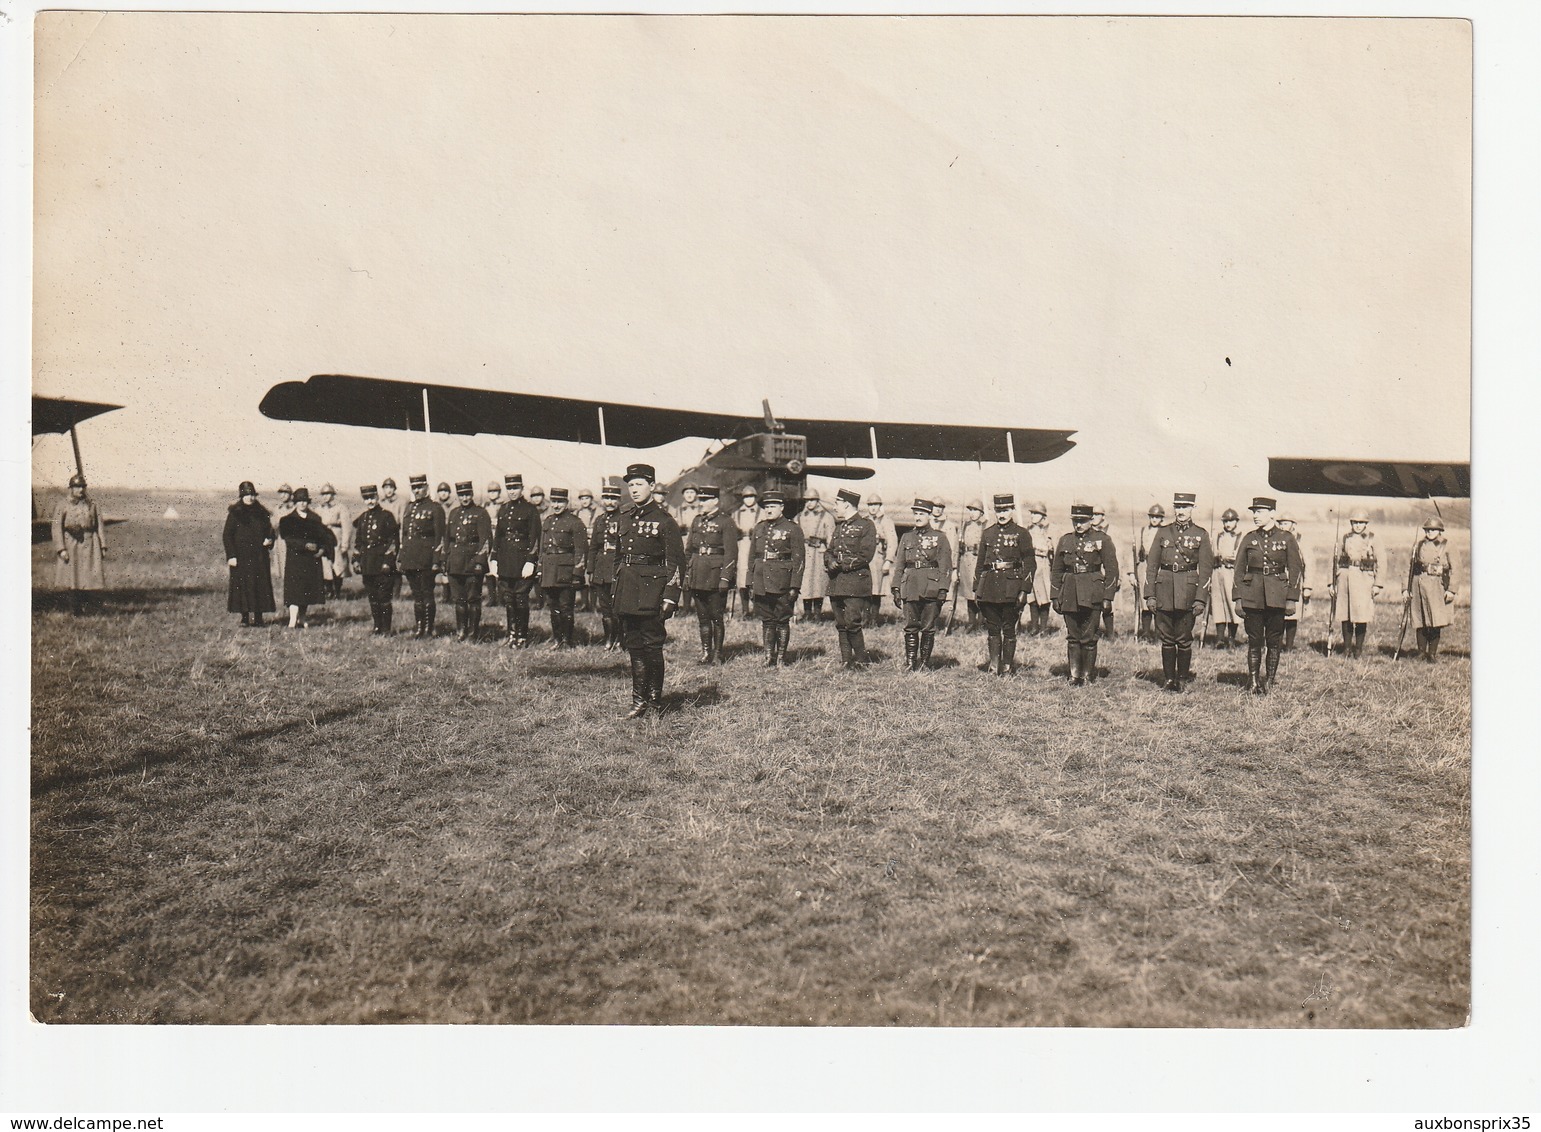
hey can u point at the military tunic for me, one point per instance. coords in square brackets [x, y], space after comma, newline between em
[467, 545]
[563, 547]
[1002, 578]
[604, 546]
[1433, 601]
[712, 554]
[1357, 570]
[650, 559]
[922, 577]
[848, 564]
[515, 542]
[1083, 579]
[1179, 567]
[1268, 572]
[376, 540]
[777, 562]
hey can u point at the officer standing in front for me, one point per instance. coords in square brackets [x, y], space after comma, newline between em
[563, 547]
[467, 545]
[1083, 582]
[604, 546]
[1222, 607]
[711, 554]
[922, 577]
[776, 562]
[1268, 573]
[422, 553]
[1003, 581]
[516, 549]
[376, 540]
[649, 562]
[1178, 568]
[848, 562]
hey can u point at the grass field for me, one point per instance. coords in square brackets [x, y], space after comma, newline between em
[235, 826]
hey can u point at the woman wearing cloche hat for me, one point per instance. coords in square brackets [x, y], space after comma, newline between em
[248, 553]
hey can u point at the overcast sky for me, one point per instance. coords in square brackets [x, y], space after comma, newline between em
[1055, 222]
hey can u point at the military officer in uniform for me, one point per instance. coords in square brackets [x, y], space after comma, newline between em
[711, 554]
[376, 540]
[422, 552]
[882, 564]
[516, 552]
[1155, 520]
[649, 562]
[467, 545]
[848, 562]
[1002, 582]
[922, 576]
[604, 546]
[563, 548]
[1222, 608]
[1431, 599]
[389, 501]
[1355, 582]
[777, 559]
[1179, 565]
[1083, 581]
[1100, 523]
[1268, 572]
[745, 517]
[1043, 569]
[969, 534]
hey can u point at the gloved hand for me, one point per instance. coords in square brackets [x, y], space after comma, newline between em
[527, 570]
[231, 563]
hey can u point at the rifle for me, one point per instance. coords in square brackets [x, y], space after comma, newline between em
[1332, 608]
[1407, 602]
[952, 611]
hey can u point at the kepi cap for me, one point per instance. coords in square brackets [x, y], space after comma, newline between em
[513, 483]
[464, 487]
[559, 495]
[369, 491]
[1184, 499]
[1081, 511]
[708, 491]
[1263, 503]
[846, 495]
[640, 472]
[774, 496]
[1005, 502]
[924, 505]
[416, 481]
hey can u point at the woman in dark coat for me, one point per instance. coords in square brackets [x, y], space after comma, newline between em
[306, 541]
[248, 537]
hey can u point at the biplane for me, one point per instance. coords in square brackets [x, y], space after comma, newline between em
[57, 416]
[762, 452]
[1389, 479]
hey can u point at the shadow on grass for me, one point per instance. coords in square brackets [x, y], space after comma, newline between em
[145, 757]
[741, 648]
[1233, 679]
[799, 655]
[1410, 651]
[104, 603]
[606, 664]
[696, 698]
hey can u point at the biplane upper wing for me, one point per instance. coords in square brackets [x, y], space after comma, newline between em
[380, 403]
[1393, 479]
[59, 414]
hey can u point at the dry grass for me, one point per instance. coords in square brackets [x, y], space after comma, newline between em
[236, 826]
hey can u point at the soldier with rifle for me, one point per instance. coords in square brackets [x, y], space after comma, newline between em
[1140, 552]
[1429, 598]
[1355, 583]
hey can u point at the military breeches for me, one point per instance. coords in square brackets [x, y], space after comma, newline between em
[378, 587]
[421, 582]
[516, 591]
[1081, 625]
[922, 616]
[560, 600]
[850, 612]
[1265, 625]
[1000, 617]
[711, 605]
[643, 631]
[774, 609]
[1174, 628]
[465, 587]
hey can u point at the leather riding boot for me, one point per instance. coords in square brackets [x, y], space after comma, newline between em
[993, 650]
[845, 647]
[1089, 662]
[1289, 634]
[1254, 668]
[769, 638]
[783, 644]
[1008, 655]
[1184, 665]
[927, 641]
[705, 632]
[1169, 669]
[1432, 653]
[655, 670]
[1271, 668]
[417, 620]
[461, 619]
[719, 631]
[911, 650]
[859, 648]
[1360, 629]
[1348, 639]
[511, 627]
[1073, 659]
[973, 617]
[638, 684]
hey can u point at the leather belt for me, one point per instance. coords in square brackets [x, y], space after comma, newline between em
[997, 566]
[641, 560]
[1179, 569]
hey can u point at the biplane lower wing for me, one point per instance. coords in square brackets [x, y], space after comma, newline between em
[60, 414]
[1391, 479]
[374, 402]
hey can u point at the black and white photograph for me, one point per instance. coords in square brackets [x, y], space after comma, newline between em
[822, 521]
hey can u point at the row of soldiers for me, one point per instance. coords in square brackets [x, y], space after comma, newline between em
[520, 551]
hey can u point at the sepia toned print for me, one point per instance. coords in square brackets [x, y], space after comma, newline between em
[1109, 377]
